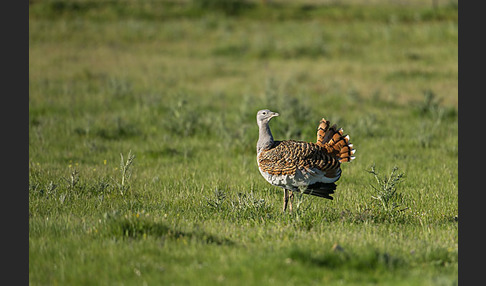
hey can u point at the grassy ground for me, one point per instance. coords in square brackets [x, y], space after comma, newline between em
[177, 86]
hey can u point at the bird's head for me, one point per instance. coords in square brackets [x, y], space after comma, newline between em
[264, 116]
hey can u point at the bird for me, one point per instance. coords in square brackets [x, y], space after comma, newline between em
[299, 166]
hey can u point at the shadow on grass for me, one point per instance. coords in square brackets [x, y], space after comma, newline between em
[368, 260]
[140, 227]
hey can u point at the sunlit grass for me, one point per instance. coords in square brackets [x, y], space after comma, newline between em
[178, 89]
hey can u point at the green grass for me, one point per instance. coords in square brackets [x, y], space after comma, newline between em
[177, 85]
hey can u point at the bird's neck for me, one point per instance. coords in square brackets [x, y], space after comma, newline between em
[265, 138]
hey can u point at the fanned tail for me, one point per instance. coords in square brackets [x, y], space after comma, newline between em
[334, 141]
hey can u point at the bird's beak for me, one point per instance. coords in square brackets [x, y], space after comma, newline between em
[275, 114]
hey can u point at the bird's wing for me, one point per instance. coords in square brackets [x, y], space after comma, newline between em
[286, 157]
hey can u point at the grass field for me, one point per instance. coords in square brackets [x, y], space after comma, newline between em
[142, 137]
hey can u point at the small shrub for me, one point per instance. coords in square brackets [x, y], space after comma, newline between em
[430, 105]
[386, 189]
[126, 172]
[184, 118]
[217, 200]
[247, 201]
[367, 125]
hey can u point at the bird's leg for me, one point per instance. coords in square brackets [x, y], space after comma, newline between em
[286, 199]
[291, 197]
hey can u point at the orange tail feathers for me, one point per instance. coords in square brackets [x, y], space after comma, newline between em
[334, 141]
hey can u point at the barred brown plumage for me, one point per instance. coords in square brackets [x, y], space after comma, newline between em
[312, 168]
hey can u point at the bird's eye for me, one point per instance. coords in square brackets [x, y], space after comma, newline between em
[264, 113]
